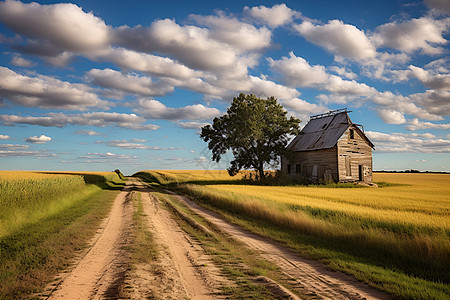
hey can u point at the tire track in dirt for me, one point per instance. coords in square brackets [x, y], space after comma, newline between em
[312, 278]
[100, 272]
[181, 271]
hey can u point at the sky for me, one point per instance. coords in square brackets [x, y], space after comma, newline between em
[100, 85]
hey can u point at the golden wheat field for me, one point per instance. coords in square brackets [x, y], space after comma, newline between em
[395, 237]
[28, 196]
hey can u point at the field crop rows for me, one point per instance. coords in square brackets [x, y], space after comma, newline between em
[395, 237]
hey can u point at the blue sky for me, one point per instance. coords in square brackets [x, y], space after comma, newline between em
[100, 85]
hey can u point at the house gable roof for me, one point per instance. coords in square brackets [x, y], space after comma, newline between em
[323, 131]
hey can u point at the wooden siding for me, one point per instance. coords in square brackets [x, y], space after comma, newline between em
[357, 153]
[314, 165]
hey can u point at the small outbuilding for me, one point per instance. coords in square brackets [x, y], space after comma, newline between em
[330, 148]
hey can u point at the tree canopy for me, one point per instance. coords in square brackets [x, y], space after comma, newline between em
[255, 130]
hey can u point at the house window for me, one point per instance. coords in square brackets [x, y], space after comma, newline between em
[298, 169]
[348, 167]
[352, 134]
[289, 169]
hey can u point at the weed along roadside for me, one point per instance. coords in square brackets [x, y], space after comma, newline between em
[46, 219]
[394, 238]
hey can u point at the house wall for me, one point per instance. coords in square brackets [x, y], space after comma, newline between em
[318, 165]
[355, 153]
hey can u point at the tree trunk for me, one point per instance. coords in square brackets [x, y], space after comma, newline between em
[261, 171]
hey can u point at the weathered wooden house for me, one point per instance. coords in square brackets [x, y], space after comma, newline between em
[330, 148]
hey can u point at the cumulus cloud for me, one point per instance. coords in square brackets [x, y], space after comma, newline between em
[303, 107]
[231, 31]
[194, 46]
[129, 83]
[42, 139]
[153, 109]
[423, 34]
[338, 38]
[19, 61]
[4, 137]
[296, 71]
[65, 25]
[408, 143]
[274, 16]
[146, 63]
[415, 124]
[46, 92]
[435, 102]
[434, 81]
[98, 119]
[342, 71]
[391, 116]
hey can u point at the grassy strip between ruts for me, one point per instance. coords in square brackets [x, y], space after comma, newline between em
[241, 265]
[368, 266]
[31, 256]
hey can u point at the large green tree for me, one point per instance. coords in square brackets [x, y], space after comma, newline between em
[255, 130]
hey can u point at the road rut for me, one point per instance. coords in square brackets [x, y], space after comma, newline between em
[312, 278]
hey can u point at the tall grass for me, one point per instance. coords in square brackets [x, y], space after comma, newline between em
[45, 218]
[26, 197]
[396, 238]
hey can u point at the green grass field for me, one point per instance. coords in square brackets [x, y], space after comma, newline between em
[45, 218]
[395, 238]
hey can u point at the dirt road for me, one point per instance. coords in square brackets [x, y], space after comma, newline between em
[182, 269]
[97, 274]
[103, 271]
[312, 278]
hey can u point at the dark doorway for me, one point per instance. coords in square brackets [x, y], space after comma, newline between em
[360, 171]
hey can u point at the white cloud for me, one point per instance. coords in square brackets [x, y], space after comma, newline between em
[94, 157]
[415, 34]
[46, 92]
[434, 81]
[342, 71]
[153, 109]
[125, 144]
[338, 38]
[243, 36]
[275, 16]
[19, 61]
[146, 63]
[130, 83]
[4, 137]
[415, 124]
[391, 116]
[191, 125]
[296, 71]
[197, 47]
[88, 132]
[13, 146]
[303, 107]
[65, 25]
[14, 153]
[408, 143]
[42, 139]
[138, 140]
[434, 102]
[98, 119]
